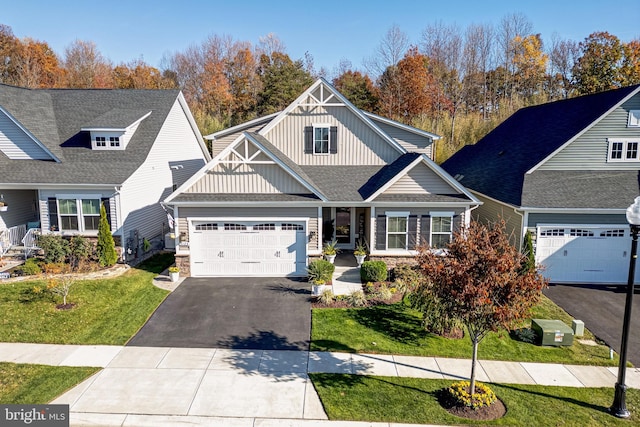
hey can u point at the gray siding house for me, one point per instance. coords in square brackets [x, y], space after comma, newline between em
[566, 171]
[64, 152]
[279, 186]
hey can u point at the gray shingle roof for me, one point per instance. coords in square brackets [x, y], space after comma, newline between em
[341, 183]
[580, 189]
[55, 117]
[496, 165]
[117, 118]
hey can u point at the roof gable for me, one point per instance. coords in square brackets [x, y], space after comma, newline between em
[250, 165]
[496, 165]
[17, 143]
[321, 93]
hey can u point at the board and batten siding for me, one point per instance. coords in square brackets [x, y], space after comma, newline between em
[410, 141]
[258, 212]
[491, 211]
[590, 150]
[16, 144]
[175, 156]
[358, 143]
[247, 178]
[419, 180]
[22, 208]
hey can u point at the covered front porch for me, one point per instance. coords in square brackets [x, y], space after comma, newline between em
[19, 221]
[347, 225]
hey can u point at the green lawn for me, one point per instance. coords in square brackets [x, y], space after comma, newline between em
[38, 384]
[107, 311]
[397, 329]
[413, 400]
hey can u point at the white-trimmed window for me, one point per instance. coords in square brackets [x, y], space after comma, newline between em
[624, 150]
[79, 214]
[114, 141]
[634, 119]
[321, 139]
[101, 141]
[441, 228]
[397, 230]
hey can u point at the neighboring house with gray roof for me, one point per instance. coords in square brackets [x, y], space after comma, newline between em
[280, 186]
[63, 152]
[566, 171]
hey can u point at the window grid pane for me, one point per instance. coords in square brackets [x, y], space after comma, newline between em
[91, 222]
[321, 140]
[90, 207]
[397, 241]
[632, 150]
[67, 206]
[69, 223]
[616, 150]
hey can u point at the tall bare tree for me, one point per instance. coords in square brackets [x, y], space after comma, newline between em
[562, 58]
[85, 67]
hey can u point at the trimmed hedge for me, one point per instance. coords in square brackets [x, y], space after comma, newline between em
[373, 271]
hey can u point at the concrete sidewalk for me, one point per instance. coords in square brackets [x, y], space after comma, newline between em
[179, 386]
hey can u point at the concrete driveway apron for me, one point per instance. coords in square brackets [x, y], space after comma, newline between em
[234, 313]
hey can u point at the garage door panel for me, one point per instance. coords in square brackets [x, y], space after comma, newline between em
[241, 250]
[575, 253]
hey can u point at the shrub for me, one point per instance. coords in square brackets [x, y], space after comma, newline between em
[30, 268]
[54, 246]
[407, 274]
[483, 395]
[384, 293]
[373, 271]
[320, 270]
[326, 297]
[357, 299]
[527, 335]
[79, 251]
[106, 248]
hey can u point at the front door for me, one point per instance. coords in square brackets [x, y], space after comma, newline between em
[344, 227]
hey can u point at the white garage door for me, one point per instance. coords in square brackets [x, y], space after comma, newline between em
[248, 249]
[584, 254]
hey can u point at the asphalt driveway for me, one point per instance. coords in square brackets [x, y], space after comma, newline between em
[239, 313]
[601, 308]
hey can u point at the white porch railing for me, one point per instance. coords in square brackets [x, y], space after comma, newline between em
[11, 237]
[29, 241]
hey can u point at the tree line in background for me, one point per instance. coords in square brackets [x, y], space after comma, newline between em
[458, 83]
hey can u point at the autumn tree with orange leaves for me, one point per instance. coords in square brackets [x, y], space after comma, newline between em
[480, 281]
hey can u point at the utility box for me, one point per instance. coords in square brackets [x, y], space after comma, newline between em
[578, 327]
[552, 332]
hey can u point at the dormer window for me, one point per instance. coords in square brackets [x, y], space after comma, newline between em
[114, 129]
[624, 150]
[634, 119]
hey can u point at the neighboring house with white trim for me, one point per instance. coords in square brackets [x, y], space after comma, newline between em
[566, 171]
[281, 185]
[64, 152]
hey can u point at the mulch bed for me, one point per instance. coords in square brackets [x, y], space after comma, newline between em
[486, 413]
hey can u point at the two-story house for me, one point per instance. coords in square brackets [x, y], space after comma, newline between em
[281, 185]
[65, 152]
[566, 171]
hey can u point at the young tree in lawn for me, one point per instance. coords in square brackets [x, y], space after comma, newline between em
[105, 248]
[480, 281]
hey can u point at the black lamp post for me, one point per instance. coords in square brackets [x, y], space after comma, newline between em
[619, 406]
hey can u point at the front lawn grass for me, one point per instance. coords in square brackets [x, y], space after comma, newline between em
[38, 384]
[107, 311]
[414, 400]
[397, 329]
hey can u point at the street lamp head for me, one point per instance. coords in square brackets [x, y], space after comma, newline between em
[633, 212]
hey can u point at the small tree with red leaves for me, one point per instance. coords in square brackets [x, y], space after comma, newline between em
[480, 282]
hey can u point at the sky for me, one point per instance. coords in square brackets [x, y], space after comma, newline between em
[329, 30]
